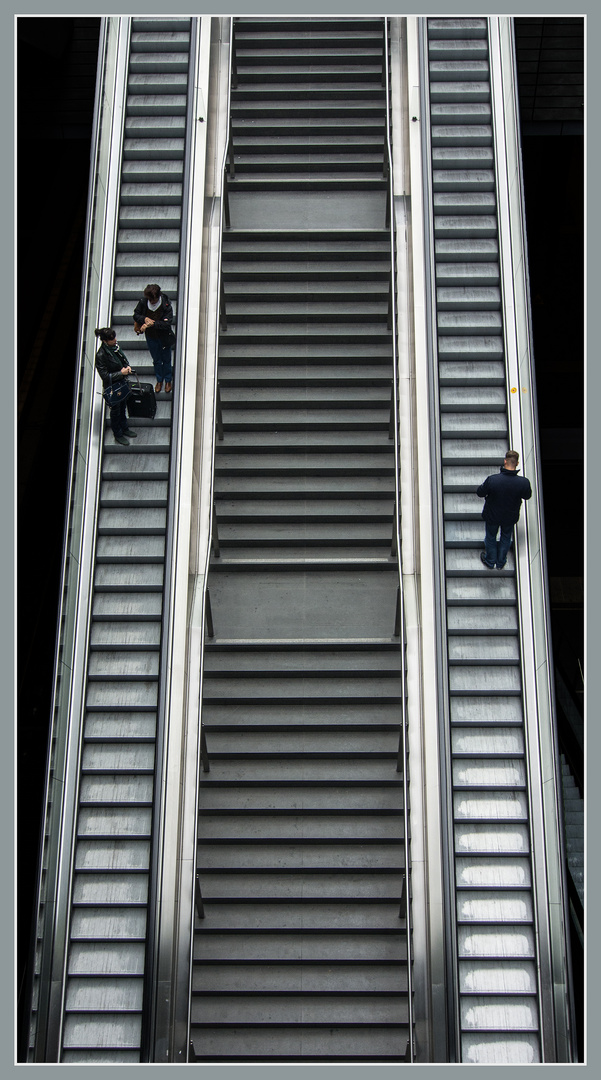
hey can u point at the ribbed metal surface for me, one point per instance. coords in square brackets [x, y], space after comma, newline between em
[301, 954]
[106, 958]
[495, 929]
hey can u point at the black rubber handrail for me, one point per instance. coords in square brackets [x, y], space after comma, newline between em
[399, 628]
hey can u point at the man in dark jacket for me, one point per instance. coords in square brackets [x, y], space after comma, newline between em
[153, 317]
[503, 493]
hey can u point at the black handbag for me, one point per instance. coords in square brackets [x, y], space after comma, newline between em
[117, 392]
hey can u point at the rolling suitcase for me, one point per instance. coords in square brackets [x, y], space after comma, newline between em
[142, 401]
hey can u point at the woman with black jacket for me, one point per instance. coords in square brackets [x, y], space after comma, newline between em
[111, 365]
[154, 318]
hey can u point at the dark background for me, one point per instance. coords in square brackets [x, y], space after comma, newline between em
[56, 73]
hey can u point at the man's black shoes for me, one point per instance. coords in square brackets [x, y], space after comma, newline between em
[483, 560]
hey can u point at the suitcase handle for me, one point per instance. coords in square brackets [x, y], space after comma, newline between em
[133, 372]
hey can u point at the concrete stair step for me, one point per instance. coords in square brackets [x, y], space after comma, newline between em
[292, 798]
[315, 126]
[146, 149]
[160, 41]
[462, 157]
[462, 299]
[474, 451]
[315, 397]
[486, 620]
[373, 442]
[494, 589]
[304, 946]
[467, 561]
[486, 709]
[155, 104]
[154, 83]
[151, 171]
[306, 1043]
[468, 48]
[296, 465]
[462, 135]
[468, 226]
[301, 510]
[464, 477]
[246, 332]
[470, 424]
[140, 193]
[286, 743]
[153, 62]
[306, 108]
[338, 312]
[155, 127]
[465, 274]
[465, 90]
[380, 771]
[310, 179]
[285, 70]
[150, 217]
[480, 398]
[449, 29]
[317, 90]
[464, 202]
[292, 829]
[462, 113]
[458, 373]
[445, 71]
[298, 1008]
[302, 716]
[457, 179]
[299, 977]
[302, 373]
[321, 291]
[470, 347]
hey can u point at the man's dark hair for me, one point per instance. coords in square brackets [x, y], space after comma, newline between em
[513, 457]
[152, 292]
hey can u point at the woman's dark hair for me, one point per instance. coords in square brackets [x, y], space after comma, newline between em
[152, 292]
[105, 333]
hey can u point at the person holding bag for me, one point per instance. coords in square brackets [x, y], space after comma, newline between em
[153, 317]
[113, 368]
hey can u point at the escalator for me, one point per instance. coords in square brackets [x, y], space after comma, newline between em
[300, 949]
[109, 893]
[498, 963]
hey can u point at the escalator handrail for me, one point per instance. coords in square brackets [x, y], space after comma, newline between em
[219, 198]
[397, 537]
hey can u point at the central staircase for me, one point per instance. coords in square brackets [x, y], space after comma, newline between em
[300, 951]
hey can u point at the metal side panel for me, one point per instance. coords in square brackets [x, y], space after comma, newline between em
[498, 722]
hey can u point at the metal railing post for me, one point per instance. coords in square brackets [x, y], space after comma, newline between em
[391, 425]
[222, 311]
[209, 616]
[198, 901]
[219, 416]
[204, 753]
[215, 535]
[226, 200]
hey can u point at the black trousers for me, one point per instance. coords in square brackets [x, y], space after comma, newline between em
[118, 418]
